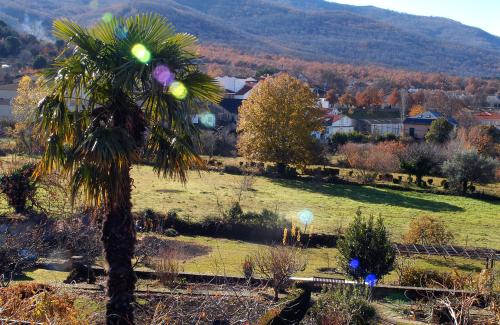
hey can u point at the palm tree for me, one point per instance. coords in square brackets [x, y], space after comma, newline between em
[120, 92]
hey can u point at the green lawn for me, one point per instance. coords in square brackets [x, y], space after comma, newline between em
[474, 222]
[227, 257]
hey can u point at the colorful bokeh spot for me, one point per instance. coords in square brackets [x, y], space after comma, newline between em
[163, 75]
[107, 17]
[178, 90]
[306, 216]
[141, 53]
[371, 280]
[94, 4]
[354, 263]
[207, 119]
[121, 32]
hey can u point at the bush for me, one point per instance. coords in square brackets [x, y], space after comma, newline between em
[467, 167]
[345, 305]
[396, 181]
[40, 303]
[366, 249]
[277, 264]
[19, 187]
[430, 181]
[171, 232]
[20, 251]
[415, 277]
[248, 267]
[233, 170]
[167, 267]
[427, 230]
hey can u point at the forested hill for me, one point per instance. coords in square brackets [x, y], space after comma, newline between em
[307, 29]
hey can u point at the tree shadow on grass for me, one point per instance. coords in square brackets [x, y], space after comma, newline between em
[367, 194]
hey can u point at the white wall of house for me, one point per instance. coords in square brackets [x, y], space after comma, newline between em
[231, 83]
[495, 123]
[344, 125]
[6, 96]
[493, 101]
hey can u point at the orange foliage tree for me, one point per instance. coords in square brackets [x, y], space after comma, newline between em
[416, 109]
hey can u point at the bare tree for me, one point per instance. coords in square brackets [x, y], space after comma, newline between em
[19, 251]
[277, 264]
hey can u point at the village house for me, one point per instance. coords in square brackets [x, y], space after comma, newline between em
[493, 101]
[7, 93]
[418, 126]
[488, 118]
[237, 88]
[335, 123]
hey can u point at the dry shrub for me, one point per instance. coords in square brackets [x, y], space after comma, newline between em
[167, 267]
[427, 230]
[370, 159]
[277, 264]
[33, 302]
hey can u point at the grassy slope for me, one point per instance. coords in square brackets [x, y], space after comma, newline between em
[474, 222]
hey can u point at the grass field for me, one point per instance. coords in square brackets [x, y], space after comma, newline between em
[474, 222]
[227, 257]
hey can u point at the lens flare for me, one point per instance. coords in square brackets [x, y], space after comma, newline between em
[306, 216]
[163, 75]
[354, 263]
[107, 17]
[178, 90]
[141, 53]
[371, 280]
[207, 119]
[121, 32]
[94, 4]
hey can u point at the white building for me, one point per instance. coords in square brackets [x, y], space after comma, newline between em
[335, 123]
[488, 119]
[493, 101]
[236, 88]
[7, 93]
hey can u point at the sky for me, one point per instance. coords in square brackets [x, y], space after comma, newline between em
[484, 14]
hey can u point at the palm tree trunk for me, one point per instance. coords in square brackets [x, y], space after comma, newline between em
[119, 241]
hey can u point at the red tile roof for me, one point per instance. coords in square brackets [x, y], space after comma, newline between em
[332, 118]
[487, 116]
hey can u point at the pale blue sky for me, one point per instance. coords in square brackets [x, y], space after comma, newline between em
[484, 14]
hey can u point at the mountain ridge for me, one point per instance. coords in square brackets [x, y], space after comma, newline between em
[307, 29]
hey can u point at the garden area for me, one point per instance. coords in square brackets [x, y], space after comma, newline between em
[111, 214]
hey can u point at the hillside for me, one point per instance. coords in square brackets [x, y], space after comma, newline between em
[306, 29]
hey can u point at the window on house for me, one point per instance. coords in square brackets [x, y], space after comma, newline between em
[412, 132]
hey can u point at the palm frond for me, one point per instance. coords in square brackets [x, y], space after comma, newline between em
[172, 154]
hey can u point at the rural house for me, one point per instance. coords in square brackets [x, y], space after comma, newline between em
[493, 101]
[488, 118]
[417, 126]
[335, 123]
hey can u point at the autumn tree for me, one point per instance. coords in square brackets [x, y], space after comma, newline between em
[484, 139]
[394, 98]
[24, 106]
[369, 159]
[347, 99]
[277, 120]
[416, 110]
